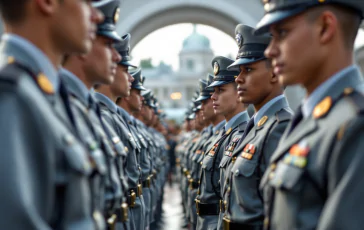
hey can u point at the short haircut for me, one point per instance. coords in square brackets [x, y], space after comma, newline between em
[348, 18]
[13, 11]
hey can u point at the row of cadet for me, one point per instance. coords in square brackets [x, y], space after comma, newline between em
[83, 147]
[246, 160]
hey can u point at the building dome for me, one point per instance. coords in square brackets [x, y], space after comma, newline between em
[196, 42]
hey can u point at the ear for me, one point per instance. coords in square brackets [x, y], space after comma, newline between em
[47, 7]
[327, 26]
[273, 78]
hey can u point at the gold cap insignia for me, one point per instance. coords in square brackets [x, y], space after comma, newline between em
[116, 15]
[216, 68]
[45, 84]
[322, 108]
[262, 121]
[11, 59]
[228, 131]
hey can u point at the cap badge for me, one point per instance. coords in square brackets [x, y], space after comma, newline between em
[116, 15]
[45, 84]
[239, 40]
[216, 68]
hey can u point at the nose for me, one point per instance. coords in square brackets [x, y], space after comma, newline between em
[131, 79]
[116, 56]
[271, 51]
[240, 78]
[96, 15]
[213, 96]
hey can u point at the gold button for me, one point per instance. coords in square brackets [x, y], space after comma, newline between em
[273, 166]
[271, 175]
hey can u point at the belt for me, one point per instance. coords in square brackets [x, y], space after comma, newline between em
[229, 225]
[222, 206]
[194, 184]
[207, 209]
[146, 183]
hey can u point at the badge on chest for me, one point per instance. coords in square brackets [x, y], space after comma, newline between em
[230, 148]
[297, 155]
[248, 152]
[212, 151]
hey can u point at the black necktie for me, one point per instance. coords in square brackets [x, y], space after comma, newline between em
[296, 119]
[248, 127]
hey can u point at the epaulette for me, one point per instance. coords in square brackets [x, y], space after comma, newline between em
[357, 99]
[10, 74]
[283, 115]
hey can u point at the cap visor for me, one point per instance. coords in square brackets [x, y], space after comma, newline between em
[127, 63]
[243, 61]
[202, 98]
[274, 17]
[110, 34]
[138, 87]
[217, 83]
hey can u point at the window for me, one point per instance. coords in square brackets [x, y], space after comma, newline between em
[190, 64]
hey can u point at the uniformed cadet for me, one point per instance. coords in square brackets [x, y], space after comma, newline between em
[313, 179]
[80, 73]
[257, 85]
[107, 96]
[44, 166]
[225, 102]
[210, 119]
[143, 120]
[127, 107]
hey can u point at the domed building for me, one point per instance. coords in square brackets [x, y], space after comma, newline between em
[175, 89]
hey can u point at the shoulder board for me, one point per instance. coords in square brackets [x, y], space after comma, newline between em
[10, 74]
[283, 115]
[357, 99]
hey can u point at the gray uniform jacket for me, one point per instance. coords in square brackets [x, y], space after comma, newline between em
[96, 136]
[44, 167]
[309, 184]
[245, 203]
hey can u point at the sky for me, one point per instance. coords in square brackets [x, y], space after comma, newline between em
[165, 44]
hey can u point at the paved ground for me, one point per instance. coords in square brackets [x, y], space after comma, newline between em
[172, 216]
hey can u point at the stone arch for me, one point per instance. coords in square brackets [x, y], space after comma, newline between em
[223, 15]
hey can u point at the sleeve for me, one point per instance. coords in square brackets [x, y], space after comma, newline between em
[25, 181]
[345, 181]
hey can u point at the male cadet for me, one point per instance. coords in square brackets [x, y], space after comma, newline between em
[225, 102]
[143, 120]
[44, 167]
[309, 185]
[107, 96]
[257, 85]
[80, 73]
[207, 118]
[127, 107]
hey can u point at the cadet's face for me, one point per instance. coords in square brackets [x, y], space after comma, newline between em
[101, 61]
[146, 112]
[294, 51]
[225, 99]
[75, 25]
[123, 80]
[254, 82]
[207, 110]
[135, 100]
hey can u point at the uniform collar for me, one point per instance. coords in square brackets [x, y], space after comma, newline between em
[232, 123]
[258, 115]
[75, 86]
[219, 126]
[107, 102]
[28, 54]
[308, 104]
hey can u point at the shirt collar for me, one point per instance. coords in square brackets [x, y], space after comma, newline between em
[79, 88]
[308, 104]
[39, 57]
[258, 115]
[219, 126]
[230, 123]
[105, 100]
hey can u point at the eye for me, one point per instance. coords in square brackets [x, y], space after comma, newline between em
[248, 69]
